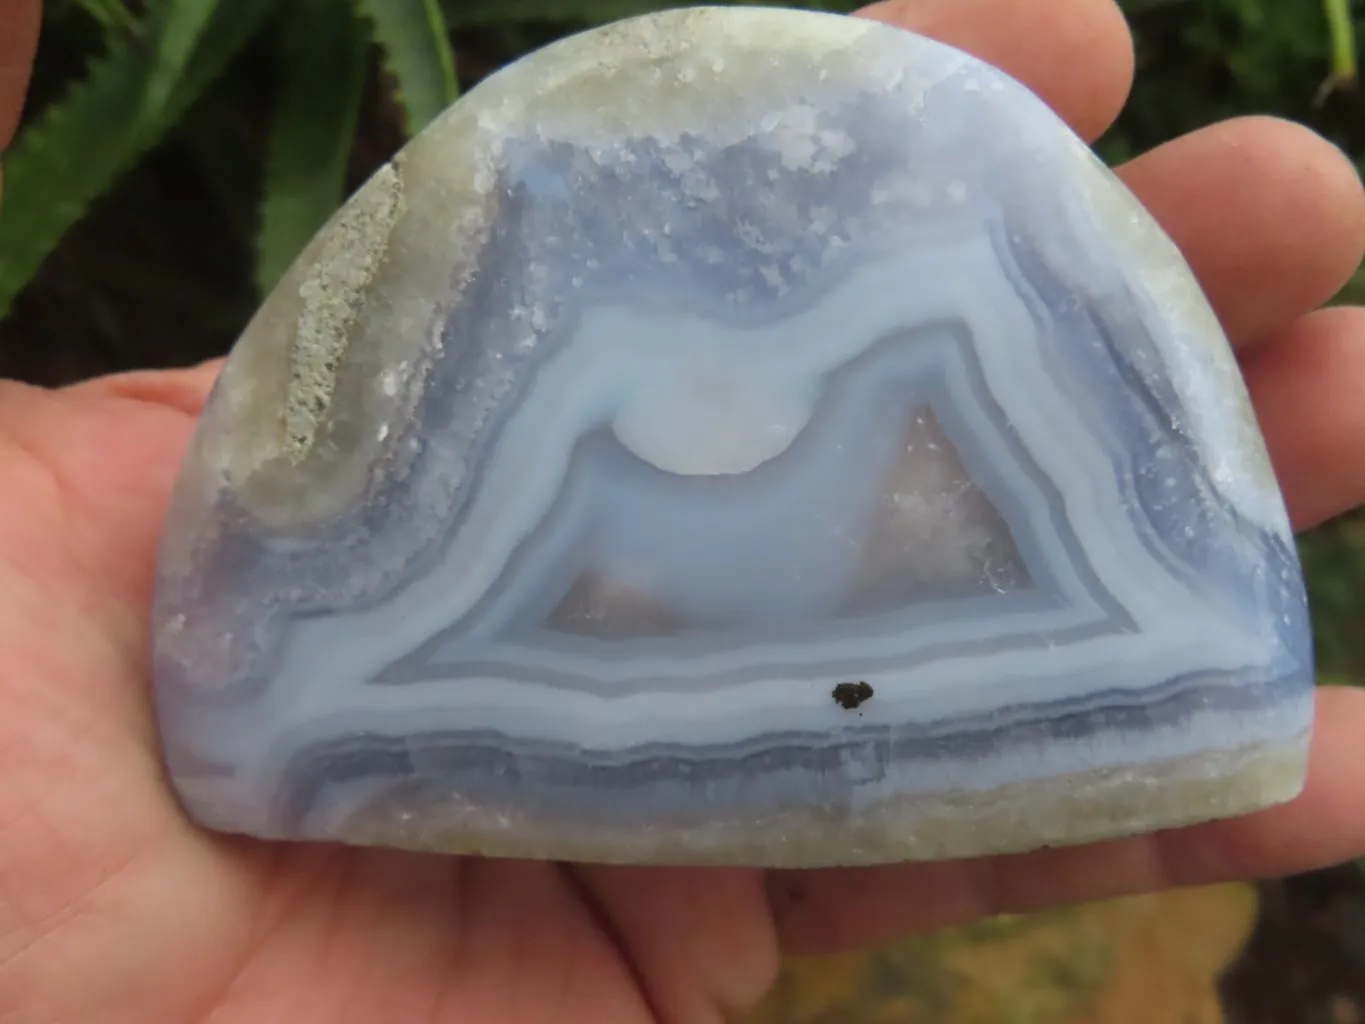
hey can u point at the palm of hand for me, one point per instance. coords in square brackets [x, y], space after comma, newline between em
[100, 874]
[104, 884]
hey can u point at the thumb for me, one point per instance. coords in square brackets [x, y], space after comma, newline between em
[182, 389]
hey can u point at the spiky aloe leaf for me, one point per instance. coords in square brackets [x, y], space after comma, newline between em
[414, 41]
[322, 74]
[1343, 36]
[469, 13]
[182, 24]
[82, 144]
[112, 15]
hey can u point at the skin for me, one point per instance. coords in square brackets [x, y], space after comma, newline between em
[113, 909]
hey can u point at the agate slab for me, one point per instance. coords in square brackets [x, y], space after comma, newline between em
[733, 436]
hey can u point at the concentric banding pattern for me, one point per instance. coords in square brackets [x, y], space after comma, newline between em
[855, 370]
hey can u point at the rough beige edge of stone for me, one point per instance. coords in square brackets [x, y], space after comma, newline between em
[331, 295]
[1064, 811]
[333, 362]
[276, 395]
[334, 359]
[642, 77]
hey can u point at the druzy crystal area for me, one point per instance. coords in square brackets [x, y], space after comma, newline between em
[733, 436]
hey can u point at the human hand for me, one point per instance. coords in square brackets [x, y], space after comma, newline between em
[18, 38]
[114, 909]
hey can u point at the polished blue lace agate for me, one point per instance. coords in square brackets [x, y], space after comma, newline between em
[733, 436]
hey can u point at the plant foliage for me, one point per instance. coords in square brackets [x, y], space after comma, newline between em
[1342, 31]
[71, 154]
[176, 36]
[151, 69]
[112, 15]
[415, 42]
[322, 72]
[470, 13]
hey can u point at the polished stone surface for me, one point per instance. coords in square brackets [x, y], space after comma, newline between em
[733, 436]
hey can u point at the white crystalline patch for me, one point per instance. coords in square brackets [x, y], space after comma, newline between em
[800, 141]
[484, 180]
[903, 189]
[773, 276]
[332, 293]
[707, 420]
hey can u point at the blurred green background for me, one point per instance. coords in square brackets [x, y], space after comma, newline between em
[176, 154]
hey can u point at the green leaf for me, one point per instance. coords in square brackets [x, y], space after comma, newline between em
[468, 13]
[74, 151]
[322, 75]
[1354, 291]
[227, 160]
[413, 39]
[1343, 36]
[182, 24]
[112, 15]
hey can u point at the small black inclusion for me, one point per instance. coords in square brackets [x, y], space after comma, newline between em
[850, 695]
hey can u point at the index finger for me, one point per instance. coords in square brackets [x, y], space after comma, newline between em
[18, 40]
[1077, 55]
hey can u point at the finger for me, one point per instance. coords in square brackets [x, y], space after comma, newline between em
[1081, 63]
[1308, 384]
[823, 911]
[700, 941]
[1270, 216]
[18, 40]
[185, 390]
